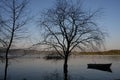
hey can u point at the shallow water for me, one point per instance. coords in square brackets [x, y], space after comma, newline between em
[31, 68]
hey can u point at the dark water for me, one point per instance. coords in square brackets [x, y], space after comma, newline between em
[32, 68]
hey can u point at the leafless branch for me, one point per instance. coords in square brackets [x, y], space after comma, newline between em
[70, 27]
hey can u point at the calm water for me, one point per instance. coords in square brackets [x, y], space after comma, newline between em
[32, 68]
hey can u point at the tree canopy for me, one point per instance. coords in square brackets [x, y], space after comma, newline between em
[67, 26]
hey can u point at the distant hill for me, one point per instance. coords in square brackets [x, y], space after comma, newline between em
[109, 52]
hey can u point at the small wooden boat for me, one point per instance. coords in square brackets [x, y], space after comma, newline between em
[103, 67]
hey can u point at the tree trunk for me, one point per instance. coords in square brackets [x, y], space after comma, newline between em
[65, 68]
[6, 64]
[6, 57]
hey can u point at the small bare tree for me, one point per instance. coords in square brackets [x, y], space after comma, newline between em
[13, 18]
[67, 27]
[2, 42]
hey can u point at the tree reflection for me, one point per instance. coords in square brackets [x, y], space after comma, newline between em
[52, 76]
[59, 76]
[56, 76]
[65, 71]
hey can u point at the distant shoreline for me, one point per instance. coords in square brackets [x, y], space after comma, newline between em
[19, 51]
[110, 52]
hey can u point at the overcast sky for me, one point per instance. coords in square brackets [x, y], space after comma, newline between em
[109, 19]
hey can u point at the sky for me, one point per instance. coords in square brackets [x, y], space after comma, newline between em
[109, 20]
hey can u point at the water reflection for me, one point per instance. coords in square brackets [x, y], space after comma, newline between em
[2, 60]
[40, 69]
[53, 76]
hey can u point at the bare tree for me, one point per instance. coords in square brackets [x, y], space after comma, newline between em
[2, 43]
[13, 19]
[67, 27]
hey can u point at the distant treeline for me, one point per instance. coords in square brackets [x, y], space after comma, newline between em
[14, 51]
[110, 52]
[18, 51]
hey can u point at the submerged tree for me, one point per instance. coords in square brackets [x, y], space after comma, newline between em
[67, 27]
[13, 18]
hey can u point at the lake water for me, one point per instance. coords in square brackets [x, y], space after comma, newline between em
[31, 68]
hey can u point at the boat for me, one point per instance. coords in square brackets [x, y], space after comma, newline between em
[103, 67]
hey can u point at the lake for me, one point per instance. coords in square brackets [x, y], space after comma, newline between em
[35, 68]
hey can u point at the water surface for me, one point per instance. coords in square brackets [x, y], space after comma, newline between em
[35, 68]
